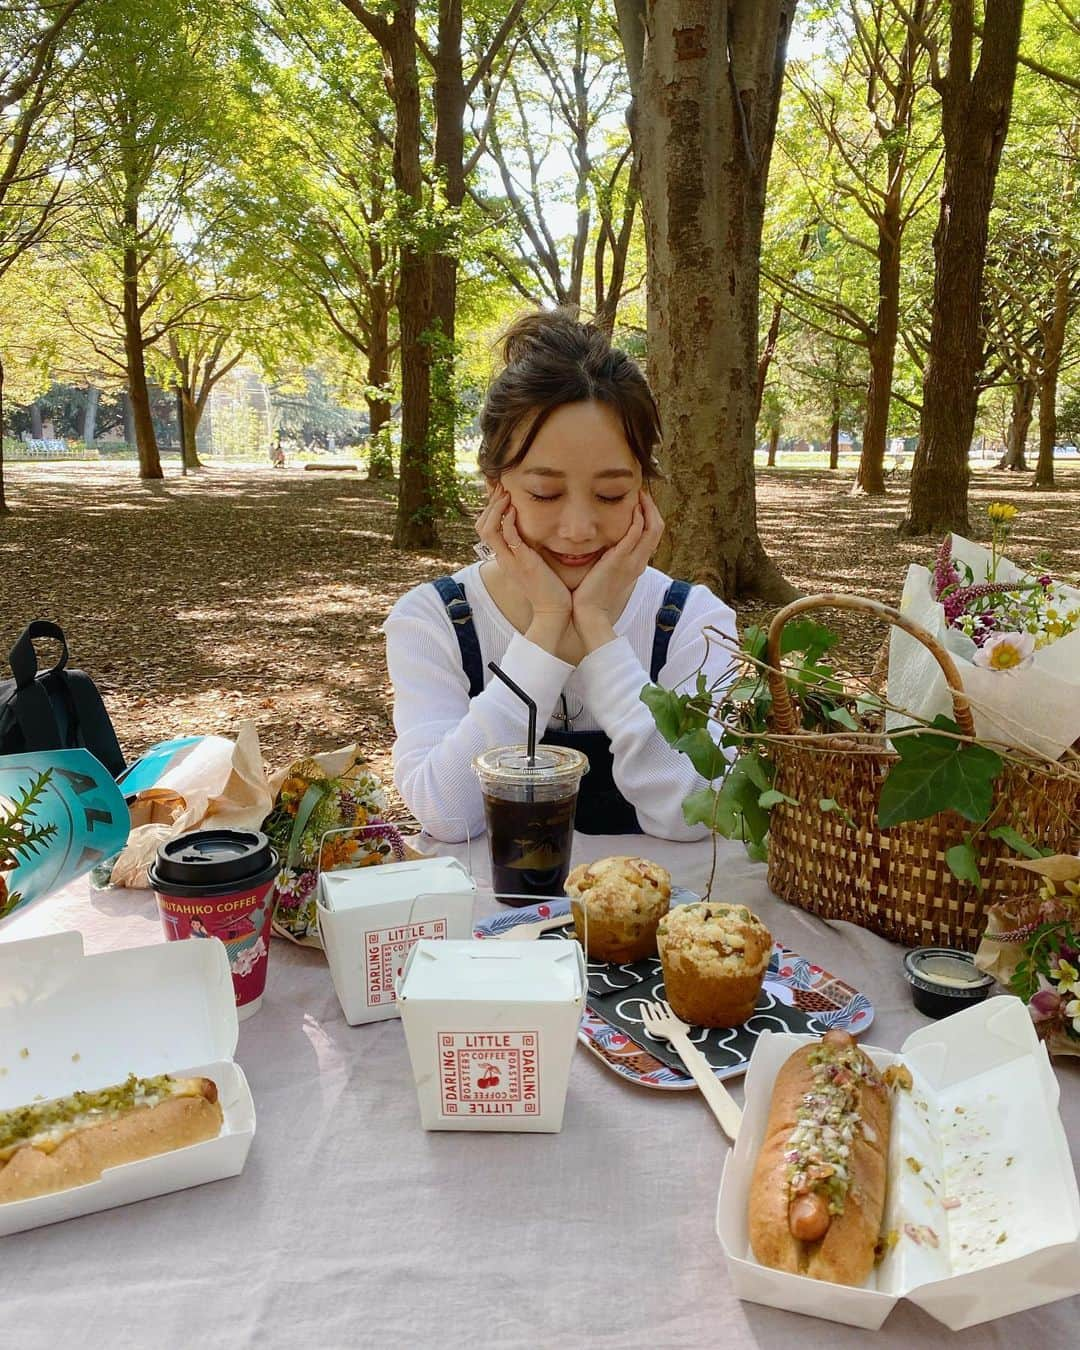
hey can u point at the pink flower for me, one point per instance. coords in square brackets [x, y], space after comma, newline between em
[1045, 1006]
[1005, 651]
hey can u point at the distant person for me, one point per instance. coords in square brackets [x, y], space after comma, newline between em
[563, 599]
[277, 453]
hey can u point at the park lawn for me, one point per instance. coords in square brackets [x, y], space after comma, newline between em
[241, 592]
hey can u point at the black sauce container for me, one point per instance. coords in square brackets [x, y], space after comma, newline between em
[944, 980]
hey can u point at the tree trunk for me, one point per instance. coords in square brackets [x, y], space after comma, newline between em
[417, 504]
[450, 166]
[704, 119]
[129, 419]
[192, 415]
[870, 478]
[37, 431]
[834, 435]
[1023, 405]
[1051, 367]
[89, 418]
[774, 442]
[138, 392]
[975, 121]
[4, 508]
[380, 461]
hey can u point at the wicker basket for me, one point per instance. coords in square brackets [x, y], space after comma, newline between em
[895, 882]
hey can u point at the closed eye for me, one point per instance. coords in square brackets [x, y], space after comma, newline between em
[608, 501]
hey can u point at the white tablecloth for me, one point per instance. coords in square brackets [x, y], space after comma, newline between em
[350, 1226]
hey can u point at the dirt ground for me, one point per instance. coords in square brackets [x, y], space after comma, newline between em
[241, 592]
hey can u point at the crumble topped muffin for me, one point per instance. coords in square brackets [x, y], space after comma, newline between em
[624, 898]
[714, 957]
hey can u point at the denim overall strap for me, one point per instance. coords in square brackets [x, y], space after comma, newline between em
[461, 619]
[667, 616]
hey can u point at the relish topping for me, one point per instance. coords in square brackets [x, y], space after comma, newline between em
[42, 1120]
[818, 1150]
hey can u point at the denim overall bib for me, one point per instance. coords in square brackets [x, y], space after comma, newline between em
[601, 807]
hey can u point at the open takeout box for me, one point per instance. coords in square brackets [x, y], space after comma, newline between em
[70, 1022]
[982, 1193]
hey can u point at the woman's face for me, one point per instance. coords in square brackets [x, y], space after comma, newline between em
[576, 489]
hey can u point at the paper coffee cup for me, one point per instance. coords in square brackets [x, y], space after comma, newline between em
[219, 884]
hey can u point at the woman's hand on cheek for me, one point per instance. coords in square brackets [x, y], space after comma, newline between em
[603, 593]
[525, 569]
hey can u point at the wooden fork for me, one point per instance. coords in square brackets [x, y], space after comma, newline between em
[660, 1021]
[525, 932]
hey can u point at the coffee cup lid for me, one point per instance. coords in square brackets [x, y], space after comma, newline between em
[550, 763]
[212, 857]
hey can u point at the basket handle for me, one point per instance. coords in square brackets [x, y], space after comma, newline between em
[783, 709]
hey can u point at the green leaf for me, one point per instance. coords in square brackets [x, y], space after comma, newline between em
[773, 798]
[754, 642]
[828, 804]
[703, 752]
[935, 773]
[759, 771]
[964, 864]
[842, 716]
[741, 789]
[868, 703]
[758, 852]
[1016, 842]
[706, 807]
[667, 710]
[808, 637]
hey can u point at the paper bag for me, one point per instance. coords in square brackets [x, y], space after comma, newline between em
[214, 783]
[1034, 708]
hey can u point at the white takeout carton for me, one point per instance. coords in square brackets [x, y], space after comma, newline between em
[986, 1211]
[72, 1022]
[491, 1029]
[369, 917]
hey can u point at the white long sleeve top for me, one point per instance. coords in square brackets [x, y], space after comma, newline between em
[440, 729]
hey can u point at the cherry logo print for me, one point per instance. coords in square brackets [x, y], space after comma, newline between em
[490, 1077]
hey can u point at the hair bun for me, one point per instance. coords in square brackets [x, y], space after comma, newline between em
[543, 330]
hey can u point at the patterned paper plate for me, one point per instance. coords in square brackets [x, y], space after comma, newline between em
[796, 996]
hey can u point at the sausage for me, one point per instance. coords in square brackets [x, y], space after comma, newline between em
[817, 1195]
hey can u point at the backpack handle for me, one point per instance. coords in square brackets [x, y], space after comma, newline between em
[23, 658]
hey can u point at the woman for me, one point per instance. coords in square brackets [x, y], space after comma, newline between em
[563, 600]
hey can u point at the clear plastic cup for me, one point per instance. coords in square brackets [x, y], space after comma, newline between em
[529, 806]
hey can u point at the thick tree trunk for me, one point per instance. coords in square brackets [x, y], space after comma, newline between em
[975, 121]
[834, 436]
[138, 393]
[417, 504]
[774, 442]
[1044, 468]
[1023, 406]
[37, 430]
[704, 120]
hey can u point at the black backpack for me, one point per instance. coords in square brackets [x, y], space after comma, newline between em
[58, 709]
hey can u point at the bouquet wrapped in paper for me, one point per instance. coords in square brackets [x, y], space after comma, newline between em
[1032, 947]
[1015, 638]
[327, 813]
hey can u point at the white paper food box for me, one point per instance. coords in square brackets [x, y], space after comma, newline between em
[491, 1029]
[369, 917]
[987, 1213]
[71, 1022]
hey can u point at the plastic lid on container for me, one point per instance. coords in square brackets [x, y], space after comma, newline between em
[213, 858]
[511, 764]
[944, 970]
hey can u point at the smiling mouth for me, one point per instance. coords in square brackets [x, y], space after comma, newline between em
[576, 559]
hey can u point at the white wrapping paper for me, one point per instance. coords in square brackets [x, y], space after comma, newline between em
[1035, 707]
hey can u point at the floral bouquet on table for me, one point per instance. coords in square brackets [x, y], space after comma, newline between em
[1015, 638]
[1032, 946]
[327, 814]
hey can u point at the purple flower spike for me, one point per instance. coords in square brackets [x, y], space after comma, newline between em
[1046, 581]
[1045, 1006]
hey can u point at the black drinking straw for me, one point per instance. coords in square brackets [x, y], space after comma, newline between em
[528, 703]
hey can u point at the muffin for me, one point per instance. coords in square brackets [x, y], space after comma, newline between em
[624, 898]
[714, 958]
